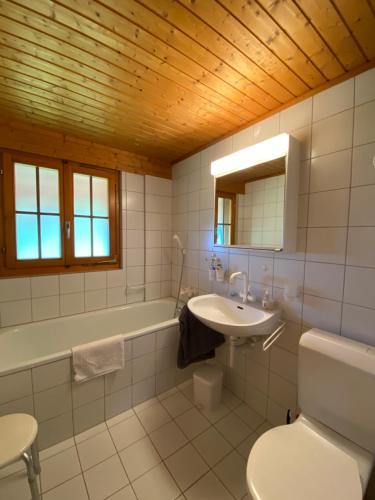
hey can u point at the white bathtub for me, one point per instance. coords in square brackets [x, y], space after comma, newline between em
[27, 346]
[36, 373]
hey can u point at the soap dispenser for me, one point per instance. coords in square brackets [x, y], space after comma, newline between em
[266, 301]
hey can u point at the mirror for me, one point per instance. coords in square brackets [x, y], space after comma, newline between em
[256, 196]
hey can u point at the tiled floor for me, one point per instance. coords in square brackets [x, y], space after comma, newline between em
[163, 449]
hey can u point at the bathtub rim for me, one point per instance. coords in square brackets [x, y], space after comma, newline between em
[67, 353]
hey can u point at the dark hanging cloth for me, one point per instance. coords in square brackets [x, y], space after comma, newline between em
[197, 341]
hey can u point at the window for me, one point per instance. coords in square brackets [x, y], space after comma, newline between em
[57, 216]
[225, 212]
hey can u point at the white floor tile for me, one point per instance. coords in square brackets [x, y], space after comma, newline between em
[187, 389]
[126, 493]
[74, 489]
[245, 447]
[59, 468]
[232, 472]
[15, 487]
[139, 458]
[215, 416]
[127, 432]
[146, 404]
[95, 450]
[166, 394]
[249, 416]
[157, 484]
[57, 448]
[153, 417]
[266, 426]
[177, 404]
[212, 446]
[186, 466]
[105, 478]
[230, 400]
[208, 488]
[119, 418]
[192, 423]
[233, 429]
[93, 431]
[168, 439]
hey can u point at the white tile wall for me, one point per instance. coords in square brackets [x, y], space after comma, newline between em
[146, 260]
[334, 267]
[259, 212]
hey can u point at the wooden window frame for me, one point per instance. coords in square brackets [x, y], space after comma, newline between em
[9, 265]
[232, 197]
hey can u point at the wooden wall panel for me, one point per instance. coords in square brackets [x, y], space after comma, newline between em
[167, 77]
[20, 137]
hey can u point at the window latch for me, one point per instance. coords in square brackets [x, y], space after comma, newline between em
[67, 229]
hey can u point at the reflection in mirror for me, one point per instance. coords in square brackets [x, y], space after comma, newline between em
[256, 195]
[250, 206]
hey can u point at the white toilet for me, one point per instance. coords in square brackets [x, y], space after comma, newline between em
[328, 452]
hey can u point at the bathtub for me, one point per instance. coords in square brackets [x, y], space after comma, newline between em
[36, 373]
[26, 346]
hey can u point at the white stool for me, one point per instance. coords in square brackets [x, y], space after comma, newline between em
[208, 382]
[17, 440]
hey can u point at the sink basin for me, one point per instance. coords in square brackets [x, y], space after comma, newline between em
[232, 318]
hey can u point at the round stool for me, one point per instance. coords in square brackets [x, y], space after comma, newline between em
[17, 437]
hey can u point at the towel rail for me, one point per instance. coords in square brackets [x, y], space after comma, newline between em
[274, 335]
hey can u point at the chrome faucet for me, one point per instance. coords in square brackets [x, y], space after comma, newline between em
[244, 292]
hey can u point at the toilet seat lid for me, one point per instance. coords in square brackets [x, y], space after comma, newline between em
[292, 462]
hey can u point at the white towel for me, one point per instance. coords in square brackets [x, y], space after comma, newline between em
[98, 358]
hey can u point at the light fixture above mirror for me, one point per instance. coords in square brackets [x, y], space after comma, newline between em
[262, 152]
[256, 195]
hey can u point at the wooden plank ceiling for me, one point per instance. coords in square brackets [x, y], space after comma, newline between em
[162, 78]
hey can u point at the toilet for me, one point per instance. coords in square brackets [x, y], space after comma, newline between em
[328, 452]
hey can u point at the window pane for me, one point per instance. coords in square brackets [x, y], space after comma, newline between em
[100, 196]
[220, 235]
[81, 194]
[220, 210]
[82, 237]
[25, 183]
[101, 237]
[227, 235]
[50, 235]
[227, 210]
[27, 236]
[49, 190]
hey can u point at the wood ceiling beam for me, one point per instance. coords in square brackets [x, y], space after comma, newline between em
[58, 121]
[360, 19]
[28, 138]
[120, 81]
[137, 62]
[169, 55]
[263, 27]
[18, 53]
[288, 15]
[326, 20]
[63, 87]
[15, 87]
[239, 36]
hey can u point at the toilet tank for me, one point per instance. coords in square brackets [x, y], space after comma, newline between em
[336, 385]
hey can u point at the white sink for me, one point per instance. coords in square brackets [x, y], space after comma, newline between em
[233, 318]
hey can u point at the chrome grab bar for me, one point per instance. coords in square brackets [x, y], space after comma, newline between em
[274, 336]
[135, 287]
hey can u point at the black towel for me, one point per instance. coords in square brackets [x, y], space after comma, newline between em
[197, 341]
